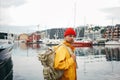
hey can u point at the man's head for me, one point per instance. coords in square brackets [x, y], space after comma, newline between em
[69, 35]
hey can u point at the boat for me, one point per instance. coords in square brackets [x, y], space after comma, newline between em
[85, 42]
[112, 44]
[52, 42]
[6, 65]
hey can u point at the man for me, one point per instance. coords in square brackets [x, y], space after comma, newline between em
[64, 60]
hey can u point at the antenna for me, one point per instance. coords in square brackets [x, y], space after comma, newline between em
[38, 26]
[74, 14]
[112, 21]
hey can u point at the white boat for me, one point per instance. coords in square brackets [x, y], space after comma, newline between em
[6, 65]
[112, 43]
[52, 42]
[6, 44]
[5, 49]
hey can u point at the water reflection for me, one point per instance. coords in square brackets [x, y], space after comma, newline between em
[110, 53]
[23, 46]
[92, 53]
[34, 46]
[98, 62]
[26, 46]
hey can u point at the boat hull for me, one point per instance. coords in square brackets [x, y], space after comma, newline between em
[6, 65]
[51, 44]
[6, 69]
[82, 44]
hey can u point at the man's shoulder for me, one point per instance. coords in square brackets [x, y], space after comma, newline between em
[62, 47]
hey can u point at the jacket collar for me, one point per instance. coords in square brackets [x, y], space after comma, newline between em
[69, 45]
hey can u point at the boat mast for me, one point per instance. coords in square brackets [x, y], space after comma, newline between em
[85, 26]
[74, 14]
[77, 35]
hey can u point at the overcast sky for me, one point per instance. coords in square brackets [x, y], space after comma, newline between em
[58, 13]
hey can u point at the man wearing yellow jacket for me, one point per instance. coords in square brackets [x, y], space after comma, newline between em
[63, 59]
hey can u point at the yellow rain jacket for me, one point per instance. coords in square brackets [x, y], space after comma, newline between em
[65, 62]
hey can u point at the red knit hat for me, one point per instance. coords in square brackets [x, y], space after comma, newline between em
[69, 31]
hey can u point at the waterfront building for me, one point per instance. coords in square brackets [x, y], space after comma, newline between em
[112, 32]
[34, 37]
[23, 37]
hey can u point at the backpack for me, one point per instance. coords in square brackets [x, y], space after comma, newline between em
[47, 60]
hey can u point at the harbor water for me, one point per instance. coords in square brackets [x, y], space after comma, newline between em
[94, 63]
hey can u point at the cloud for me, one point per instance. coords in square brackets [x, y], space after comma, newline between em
[18, 29]
[4, 16]
[9, 3]
[5, 8]
[58, 13]
[113, 13]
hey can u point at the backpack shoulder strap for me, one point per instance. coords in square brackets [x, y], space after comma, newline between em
[54, 50]
[71, 52]
[69, 49]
